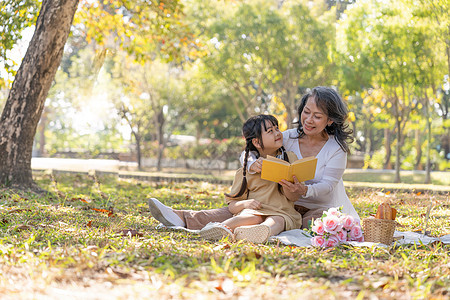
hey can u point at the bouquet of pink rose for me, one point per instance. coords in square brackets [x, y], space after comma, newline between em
[335, 227]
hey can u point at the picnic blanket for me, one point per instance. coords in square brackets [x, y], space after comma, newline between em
[300, 238]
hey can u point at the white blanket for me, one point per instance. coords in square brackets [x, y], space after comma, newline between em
[301, 238]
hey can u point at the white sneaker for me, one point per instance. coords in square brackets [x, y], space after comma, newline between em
[257, 234]
[215, 231]
[164, 214]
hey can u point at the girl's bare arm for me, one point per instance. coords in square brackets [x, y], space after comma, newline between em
[236, 206]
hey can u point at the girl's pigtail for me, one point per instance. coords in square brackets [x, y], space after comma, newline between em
[244, 173]
[285, 156]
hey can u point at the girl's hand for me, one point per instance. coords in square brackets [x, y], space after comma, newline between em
[251, 204]
[237, 206]
[294, 190]
[256, 167]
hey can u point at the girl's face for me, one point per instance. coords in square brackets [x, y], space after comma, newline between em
[314, 119]
[271, 137]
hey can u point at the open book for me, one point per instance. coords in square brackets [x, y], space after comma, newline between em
[275, 169]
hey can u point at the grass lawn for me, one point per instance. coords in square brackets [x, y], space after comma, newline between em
[92, 238]
[387, 176]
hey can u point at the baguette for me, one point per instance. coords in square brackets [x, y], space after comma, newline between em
[394, 213]
[386, 212]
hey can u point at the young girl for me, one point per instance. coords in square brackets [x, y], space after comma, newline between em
[260, 207]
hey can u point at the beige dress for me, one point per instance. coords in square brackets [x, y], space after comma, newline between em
[273, 202]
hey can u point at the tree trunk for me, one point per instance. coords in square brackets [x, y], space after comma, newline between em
[138, 139]
[445, 140]
[428, 163]
[447, 41]
[29, 90]
[418, 140]
[397, 150]
[361, 144]
[370, 142]
[161, 143]
[446, 143]
[387, 146]
[290, 104]
[42, 125]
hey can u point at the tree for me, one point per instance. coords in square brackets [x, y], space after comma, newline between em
[142, 28]
[299, 57]
[132, 24]
[78, 113]
[381, 38]
[235, 40]
[260, 50]
[429, 73]
[150, 92]
[433, 17]
[211, 114]
[370, 121]
[29, 90]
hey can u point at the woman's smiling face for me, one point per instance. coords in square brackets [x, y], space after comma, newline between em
[313, 118]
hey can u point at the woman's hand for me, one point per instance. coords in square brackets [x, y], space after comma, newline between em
[256, 167]
[236, 207]
[294, 190]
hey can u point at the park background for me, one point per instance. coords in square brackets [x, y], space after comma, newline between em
[169, 85]
[172, 81]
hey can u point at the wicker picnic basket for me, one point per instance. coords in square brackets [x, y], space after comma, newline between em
[379, 230]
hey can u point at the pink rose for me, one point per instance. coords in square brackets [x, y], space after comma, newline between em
[348, 222]
[318, 227]
[330, 223]
[333, 211]
[332, 241]
[355, 233]
[318, 241]
[360, 239]
[341, 236]
[337, 229]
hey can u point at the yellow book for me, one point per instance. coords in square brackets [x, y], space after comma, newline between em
[275, 169]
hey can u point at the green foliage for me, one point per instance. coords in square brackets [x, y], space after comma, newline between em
[261, 51]
[228, 60]
[210, 113]
[96, 232]
[376, 160]
[142, 28]
[15, 16]
[390, 50]
[151, 98]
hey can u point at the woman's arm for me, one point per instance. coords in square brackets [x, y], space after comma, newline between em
[334, 169]
[253, 164]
